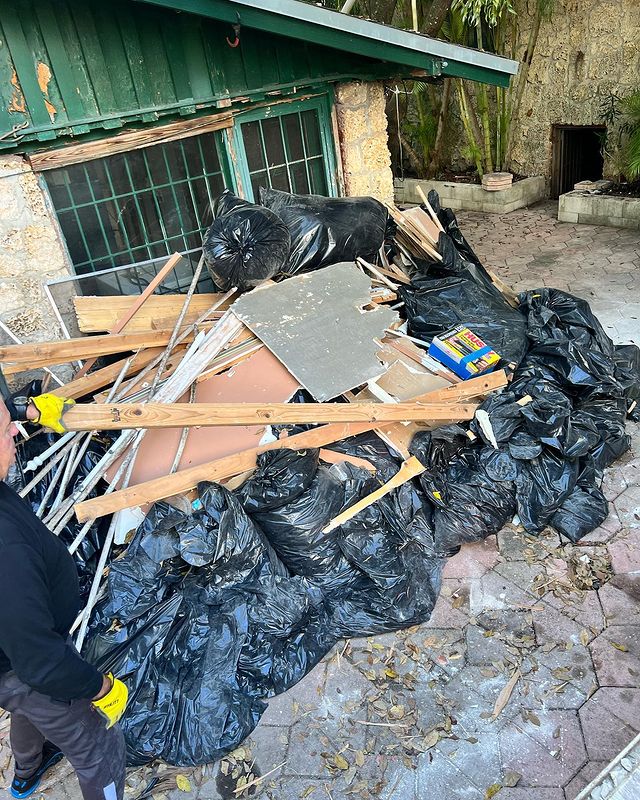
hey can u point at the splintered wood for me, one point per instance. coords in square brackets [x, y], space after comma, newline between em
[194, 384]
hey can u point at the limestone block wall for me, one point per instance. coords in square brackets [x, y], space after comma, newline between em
[31, 253]
[588, 49]
[363, 140]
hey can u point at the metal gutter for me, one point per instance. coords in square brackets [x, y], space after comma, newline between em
[324, 26]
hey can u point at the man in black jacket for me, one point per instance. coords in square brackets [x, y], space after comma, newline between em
[59, 703]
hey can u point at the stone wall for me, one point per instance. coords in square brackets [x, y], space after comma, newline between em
[31, 253]
[588, 49]
[363, 140]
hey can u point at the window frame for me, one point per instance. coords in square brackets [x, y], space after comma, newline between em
[320, 103]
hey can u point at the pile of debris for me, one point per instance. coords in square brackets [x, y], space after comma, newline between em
[271, 471]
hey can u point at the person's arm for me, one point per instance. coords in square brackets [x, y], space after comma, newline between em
[38, 654]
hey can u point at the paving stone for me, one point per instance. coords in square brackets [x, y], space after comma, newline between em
[281, 709]
[479, 758]
[616, 656]
[625, 552]
[620, 600]
[610, 719]
[583, 778]
[495, 592]
[530, 794]
[512, 543]
[627, 505]
[547, 755]
[440, 779]
[473, 560]
[268, 747]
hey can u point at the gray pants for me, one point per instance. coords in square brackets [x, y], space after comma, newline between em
[96, 754]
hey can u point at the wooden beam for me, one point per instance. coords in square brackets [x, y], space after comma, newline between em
[408, 470]
[89, 384]
[136, 305]
[129, 140]
[127, 416]
[227, 467]
[100, 314]
[19, 357]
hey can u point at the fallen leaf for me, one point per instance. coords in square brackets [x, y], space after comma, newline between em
[534, 718]
[390, 673]
[584, 637]
[396, 712]
[511, 779]
[431, 739]
[359, 758]
[492, 791]
[341, 762]
[183, 783]
[621, 647]
[505, 694]
[457, 601]
[309, 790]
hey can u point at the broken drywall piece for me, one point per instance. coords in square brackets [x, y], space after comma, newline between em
[316, 325]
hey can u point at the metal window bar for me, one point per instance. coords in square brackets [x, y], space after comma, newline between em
[288, 161]
[123, 246]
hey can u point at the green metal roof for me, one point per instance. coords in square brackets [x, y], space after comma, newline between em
[324, 26]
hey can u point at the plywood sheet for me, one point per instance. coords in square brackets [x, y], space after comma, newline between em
[260, 379]
[319, 328]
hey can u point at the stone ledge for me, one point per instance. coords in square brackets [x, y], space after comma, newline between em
[472, 196]
[599, 209]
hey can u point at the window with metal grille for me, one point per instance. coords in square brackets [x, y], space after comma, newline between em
[139, 205]
[288, 151]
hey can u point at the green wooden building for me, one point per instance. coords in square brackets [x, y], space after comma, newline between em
[130, 117]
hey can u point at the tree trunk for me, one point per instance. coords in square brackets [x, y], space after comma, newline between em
[414, 158]
[433, 18]
[523, 74]
[465, 114]
[436, 154]
[381, 10]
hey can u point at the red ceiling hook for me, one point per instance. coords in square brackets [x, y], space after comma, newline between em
[236, 41]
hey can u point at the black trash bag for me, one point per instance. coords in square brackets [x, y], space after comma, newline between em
[370, 447]
[499, 465]
[295, 528]
[245, 245]
[524, 446]
[290, 632]
[582, 512]
[326, 230]
[281, 477]
[627, 361]
[390, 544]
[435, 306]
[505, 416]
[436, 450]
[607, 415]
[543, 485]
[182, 630]
[477, 505]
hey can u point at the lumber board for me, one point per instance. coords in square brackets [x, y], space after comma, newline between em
[18, 357]
[136, 305]
[409, 469]
[129, 140]
[234, 464]
[126, 416]
[99, 314]
[89, 384]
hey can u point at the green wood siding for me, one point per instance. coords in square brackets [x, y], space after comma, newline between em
[69, 67]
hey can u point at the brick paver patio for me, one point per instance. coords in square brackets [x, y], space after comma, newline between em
[410, 715]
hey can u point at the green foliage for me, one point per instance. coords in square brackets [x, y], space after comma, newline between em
[630, 108]
[489, 12]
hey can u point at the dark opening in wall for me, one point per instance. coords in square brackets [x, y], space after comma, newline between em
[575, 156]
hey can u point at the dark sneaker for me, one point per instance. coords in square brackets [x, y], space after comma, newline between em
[23, 787]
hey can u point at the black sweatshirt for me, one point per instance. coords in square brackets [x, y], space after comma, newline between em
[39, 602]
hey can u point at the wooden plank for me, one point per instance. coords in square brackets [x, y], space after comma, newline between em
[129, 140]
[423, 223]
[89, 384]
[99, 314]
[408, 470]
[19, 357]
[136, 305]
[429, 208]
[128, 416]
[236, 463]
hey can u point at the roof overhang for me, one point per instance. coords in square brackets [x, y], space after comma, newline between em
[330, 28]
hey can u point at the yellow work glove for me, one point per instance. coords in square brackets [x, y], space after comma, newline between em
[114, 703]
[52, 409]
